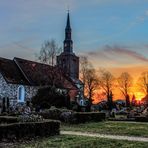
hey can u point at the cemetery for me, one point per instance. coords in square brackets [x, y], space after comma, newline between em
[61, 100]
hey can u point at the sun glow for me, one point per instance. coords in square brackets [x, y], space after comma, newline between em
[139, 96]
[98, 96]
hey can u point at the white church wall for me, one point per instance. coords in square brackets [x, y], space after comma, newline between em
[11, 90]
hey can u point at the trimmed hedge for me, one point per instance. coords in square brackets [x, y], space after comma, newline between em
[141, 119]
[27, 130]
[121, 119]
[8, 119]
[51, 114]
[82, 117]
[74, 117]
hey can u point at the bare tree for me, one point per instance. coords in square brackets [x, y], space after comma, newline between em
[48, 52]
[84, 66]
[143, 82]
[91, 83]
[88, 77]
[125, 83]
[106, 82]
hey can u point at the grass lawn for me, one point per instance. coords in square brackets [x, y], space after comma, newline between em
[111, 127]
[67, 141]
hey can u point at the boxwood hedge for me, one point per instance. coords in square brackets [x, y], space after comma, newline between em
[16, 131]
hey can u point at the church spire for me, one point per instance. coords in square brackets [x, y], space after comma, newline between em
[67, 60]
[68, 22]
[68, 43]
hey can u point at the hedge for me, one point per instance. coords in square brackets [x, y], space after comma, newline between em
[8, 119]
[82, 117]
[121, 119]
[27, 130]
[51, 114]
[141, 119]
[74, 117]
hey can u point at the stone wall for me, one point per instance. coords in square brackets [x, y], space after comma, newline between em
[11, 90]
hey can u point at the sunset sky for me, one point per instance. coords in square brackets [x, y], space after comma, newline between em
[112, 33]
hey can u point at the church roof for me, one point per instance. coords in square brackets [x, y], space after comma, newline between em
[11, 72]
[22, 71]
[68, 22]
[36, 73]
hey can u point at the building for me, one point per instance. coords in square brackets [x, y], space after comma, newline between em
[69, 62]
[20, 78]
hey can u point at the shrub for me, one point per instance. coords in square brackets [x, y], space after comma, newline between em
[63, 115]
[46, 97]
[82, 117]
[53, 113]
[29, 129]
[8, 119]
[67, 117]
[30, 118]
[141, 119]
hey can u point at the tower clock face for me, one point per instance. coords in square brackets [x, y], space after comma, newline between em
[65, 45]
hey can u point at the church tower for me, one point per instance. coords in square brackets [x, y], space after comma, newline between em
[67, 60]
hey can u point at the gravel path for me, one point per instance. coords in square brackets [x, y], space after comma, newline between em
[117, 137]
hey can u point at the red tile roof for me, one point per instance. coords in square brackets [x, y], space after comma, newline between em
[22, 71]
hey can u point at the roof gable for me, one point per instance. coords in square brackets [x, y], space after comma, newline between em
[11, 73]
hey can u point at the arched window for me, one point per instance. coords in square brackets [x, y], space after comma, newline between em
[81, 102]
[21, 94]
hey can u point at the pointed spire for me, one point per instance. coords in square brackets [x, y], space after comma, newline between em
[68, 43]
[68, 21]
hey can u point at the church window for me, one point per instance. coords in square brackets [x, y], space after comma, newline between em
[21, 94]
[81, 102]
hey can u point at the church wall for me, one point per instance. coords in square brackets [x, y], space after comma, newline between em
[11, 90]
[73, 94]
[74, 69]
[70, 64]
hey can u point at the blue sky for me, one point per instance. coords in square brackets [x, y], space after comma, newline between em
[112, 33]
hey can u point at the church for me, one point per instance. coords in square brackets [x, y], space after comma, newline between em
[20, 79]
[69, 62]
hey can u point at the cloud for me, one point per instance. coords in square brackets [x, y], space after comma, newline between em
[116, 56]
[21, 48]
[135, 71]
[123, 51]
[108, 52]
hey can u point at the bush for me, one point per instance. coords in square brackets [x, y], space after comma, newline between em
[30, 118]
[17, 131]
[8, 119]
[82, 117]
[69, 116]
[63, 115]
[46, 97]
[141, 119]
[53, 113]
